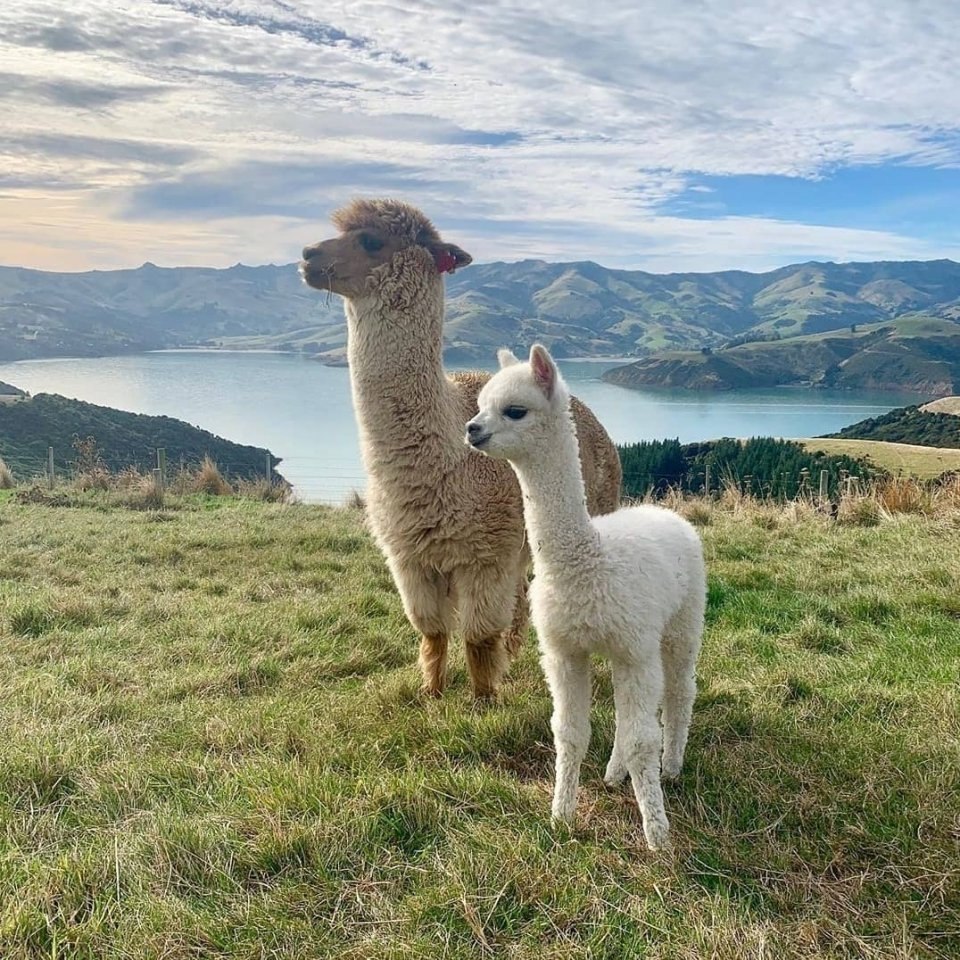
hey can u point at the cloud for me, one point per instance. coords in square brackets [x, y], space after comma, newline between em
[260, 189]
[98, 148]
[70, 95]
[564, 128]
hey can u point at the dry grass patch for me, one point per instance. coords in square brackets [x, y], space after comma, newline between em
[208, 479]
[6, 477]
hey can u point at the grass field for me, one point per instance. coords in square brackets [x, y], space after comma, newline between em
[898, 458]
[214, 747]
[943, 405]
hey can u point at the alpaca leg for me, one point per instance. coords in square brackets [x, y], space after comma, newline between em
[428, 602]
[616, 771]
[486, 607]
[569, 680]
[433, 663]
[638, 690]
[680, 647]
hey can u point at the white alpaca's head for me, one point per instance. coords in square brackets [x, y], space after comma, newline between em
[522, 407]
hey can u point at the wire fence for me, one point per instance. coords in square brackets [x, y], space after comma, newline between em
[336, 479]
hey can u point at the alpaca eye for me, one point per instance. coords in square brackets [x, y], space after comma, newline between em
[515, 413]
[369, 243]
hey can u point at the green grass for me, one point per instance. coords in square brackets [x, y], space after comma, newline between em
[214, 747]
[908, 459]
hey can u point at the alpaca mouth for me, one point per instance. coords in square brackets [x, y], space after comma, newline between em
[478, 442]
[317, 277]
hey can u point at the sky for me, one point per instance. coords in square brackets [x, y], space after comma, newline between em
[664, 135]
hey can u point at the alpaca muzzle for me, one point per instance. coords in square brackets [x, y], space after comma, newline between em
[476, 436]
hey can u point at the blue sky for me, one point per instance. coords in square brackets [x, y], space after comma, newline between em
[886, 196]
[651, 135]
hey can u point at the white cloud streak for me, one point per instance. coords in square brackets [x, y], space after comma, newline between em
[552, 129]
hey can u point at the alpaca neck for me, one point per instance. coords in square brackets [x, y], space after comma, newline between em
[402, 397]
[559, 529]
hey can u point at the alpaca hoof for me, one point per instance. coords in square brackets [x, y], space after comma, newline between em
[485, 698]
[657, 834]
[670, 771]
[432, 692]
[561, 821]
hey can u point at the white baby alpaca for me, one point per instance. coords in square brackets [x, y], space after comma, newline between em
[630, 585]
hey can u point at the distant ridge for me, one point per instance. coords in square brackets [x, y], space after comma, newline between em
[577, 309]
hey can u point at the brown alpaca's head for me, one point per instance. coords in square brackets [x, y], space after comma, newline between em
[372, 233]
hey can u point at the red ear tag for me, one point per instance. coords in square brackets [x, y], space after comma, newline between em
[446, 262]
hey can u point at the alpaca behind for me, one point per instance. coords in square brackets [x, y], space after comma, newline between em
[630, 585]
[449, 523]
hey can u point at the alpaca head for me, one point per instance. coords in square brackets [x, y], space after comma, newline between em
[378, 240]
[522, 408]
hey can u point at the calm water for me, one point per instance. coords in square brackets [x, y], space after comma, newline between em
[302, 410]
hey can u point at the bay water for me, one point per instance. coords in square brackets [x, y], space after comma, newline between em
[302, 411]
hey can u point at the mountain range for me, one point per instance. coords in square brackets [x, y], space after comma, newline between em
[577, 309]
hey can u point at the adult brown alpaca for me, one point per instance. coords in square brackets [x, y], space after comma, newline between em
[449, 521]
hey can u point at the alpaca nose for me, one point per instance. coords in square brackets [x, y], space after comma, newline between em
[474, 429]
[308, 252]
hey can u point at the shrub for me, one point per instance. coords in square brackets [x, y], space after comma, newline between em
[265, 490]
[209, 479]
[146, 495]
[91, 472]
[859, 511]
[904, 495]
[6, 477]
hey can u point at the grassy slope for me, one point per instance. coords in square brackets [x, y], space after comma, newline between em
[943, 405]
[908, 459]
[214, 747]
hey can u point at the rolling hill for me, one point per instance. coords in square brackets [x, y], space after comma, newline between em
[577, 309]
[898, 459]
[912, 425]
[124, 439]
[918, 353]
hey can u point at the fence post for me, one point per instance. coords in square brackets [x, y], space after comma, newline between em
[706, 479]
[824, 485]
[158, 480]
[50, 474]
[268, 463]
[162, 464]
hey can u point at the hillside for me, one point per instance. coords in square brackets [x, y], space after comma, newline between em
[124, 439]
[943, 405]
[577, 309]
[124, 311]
[920, 354]
[907, 425]
[8, 390]
[214, 747]
[897, 459]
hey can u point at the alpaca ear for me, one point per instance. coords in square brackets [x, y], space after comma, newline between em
[506, 357]
[448, 256]
[544, 370]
